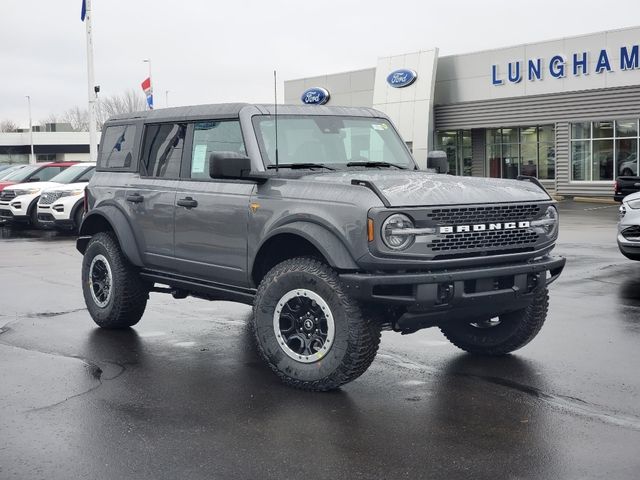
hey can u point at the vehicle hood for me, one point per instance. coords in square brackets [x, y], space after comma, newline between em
[419, 188]
[28, 185]
[59, 187]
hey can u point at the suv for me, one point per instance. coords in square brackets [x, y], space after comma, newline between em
[18, 202]
[62, 206]
[319, 218]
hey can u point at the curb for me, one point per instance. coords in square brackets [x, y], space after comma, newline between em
[607, 201]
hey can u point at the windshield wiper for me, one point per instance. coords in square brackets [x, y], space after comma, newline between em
[300, 165]
[375, 164]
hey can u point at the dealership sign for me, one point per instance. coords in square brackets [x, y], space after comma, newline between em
[560, 66]
[401, 78]
[315, 96]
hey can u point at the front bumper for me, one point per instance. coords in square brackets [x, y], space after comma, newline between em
[431, 297]
[17, 209]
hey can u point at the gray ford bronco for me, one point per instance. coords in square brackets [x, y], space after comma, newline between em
[319, 218]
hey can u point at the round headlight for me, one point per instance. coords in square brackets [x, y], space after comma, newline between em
[551, 217]
[392, 232]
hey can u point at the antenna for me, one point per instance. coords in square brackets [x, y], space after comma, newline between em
[275, 111]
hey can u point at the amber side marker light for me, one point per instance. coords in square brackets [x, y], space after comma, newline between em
[370, 229]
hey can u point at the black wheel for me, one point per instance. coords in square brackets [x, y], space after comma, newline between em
[503, 334]
[33, 217]
[114, 293]
[310, 332]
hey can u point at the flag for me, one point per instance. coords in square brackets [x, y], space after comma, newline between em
[83, 12]
[148, 91]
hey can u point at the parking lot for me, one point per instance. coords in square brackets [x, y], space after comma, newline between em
[184, 395]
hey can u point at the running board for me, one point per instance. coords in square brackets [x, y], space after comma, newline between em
[201, 288]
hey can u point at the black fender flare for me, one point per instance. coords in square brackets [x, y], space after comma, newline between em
[327, 243]
[120, 226]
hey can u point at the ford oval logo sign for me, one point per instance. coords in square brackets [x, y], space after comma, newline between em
[401, 78]
[315, 96]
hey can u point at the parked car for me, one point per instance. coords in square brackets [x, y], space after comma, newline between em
[9, 171]
[62, 206]
[624, 186]
[18, 202]
[39, 172]
[332, 235]
[629, 227]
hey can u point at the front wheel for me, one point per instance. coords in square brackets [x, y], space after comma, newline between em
[115, 294]
[502, 334]
[310, 332]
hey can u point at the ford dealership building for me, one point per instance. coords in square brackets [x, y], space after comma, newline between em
[565, 111]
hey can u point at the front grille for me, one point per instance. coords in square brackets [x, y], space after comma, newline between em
[494, 239]
[491, 213]
[47, 198]
[485, 241]
[8, 194]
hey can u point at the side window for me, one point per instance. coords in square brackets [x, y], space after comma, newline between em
[212, 137]
[47, 173]
[162, 149]
[86, 176]
[116, 147]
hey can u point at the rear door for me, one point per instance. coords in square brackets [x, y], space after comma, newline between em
[211, 216]
[151, 196]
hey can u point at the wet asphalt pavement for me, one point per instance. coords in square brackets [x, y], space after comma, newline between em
[183, 395]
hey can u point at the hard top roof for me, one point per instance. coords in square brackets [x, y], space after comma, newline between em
[232, 110]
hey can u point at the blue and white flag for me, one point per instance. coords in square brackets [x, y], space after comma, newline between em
[83, 12]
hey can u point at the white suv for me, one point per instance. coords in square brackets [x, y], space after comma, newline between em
[20, 200]
[62, 207]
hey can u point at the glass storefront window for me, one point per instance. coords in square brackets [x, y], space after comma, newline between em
[626, 128]
[457, 145]
[580, 130]
[526, 150]
[581, 160]
[611, 150]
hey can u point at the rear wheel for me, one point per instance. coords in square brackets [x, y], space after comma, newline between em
[503, 334]
[310, 332]
[115, 294]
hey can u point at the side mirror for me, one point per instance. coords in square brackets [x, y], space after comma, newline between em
[438, 161]
[229, 165]
[34, 179]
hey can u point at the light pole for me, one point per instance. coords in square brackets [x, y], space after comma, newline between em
[92, 89]
[32, 157]
[166, 97]
[148, 61]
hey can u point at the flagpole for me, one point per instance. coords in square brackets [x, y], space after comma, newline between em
[93, 135]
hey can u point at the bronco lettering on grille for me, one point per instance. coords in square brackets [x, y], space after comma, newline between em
[481, 227]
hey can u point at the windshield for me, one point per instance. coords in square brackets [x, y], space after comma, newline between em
[10, 171]
[70, 174]
[22, 174]
[330, 140]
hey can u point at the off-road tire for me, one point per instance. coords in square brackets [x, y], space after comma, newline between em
[129, 292]
[514, 331]
[356, 337]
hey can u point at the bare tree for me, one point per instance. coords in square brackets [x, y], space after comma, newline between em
[51, 118]
[78, 118]
[127, 102]
[8, 126]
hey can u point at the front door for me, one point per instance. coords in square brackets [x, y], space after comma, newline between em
[211, 216]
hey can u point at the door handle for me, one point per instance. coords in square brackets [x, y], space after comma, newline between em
[134, 198]
[187, 202]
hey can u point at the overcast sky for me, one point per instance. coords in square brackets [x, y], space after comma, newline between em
[209, 51]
